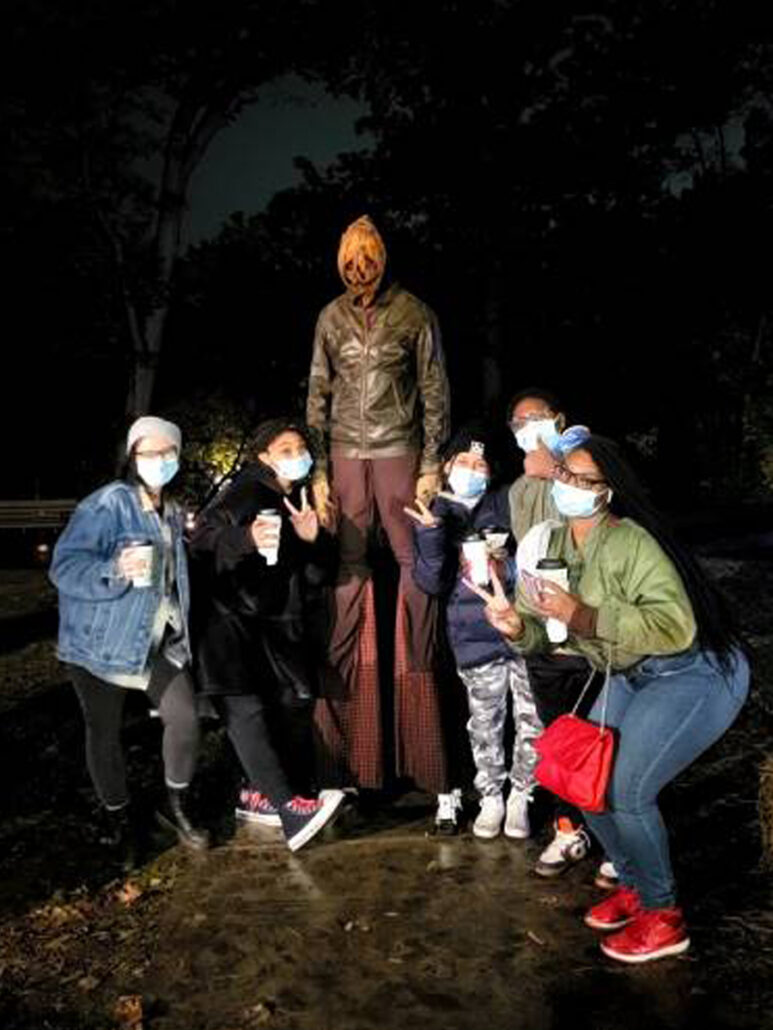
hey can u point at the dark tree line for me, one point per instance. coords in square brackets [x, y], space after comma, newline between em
[583, 193]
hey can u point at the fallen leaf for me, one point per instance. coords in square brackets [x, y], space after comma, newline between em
[262, 1013]
[88, 983]
[129, 893]
[128, 1012]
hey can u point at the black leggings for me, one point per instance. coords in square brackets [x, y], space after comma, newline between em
[171, 691]
[274, 745]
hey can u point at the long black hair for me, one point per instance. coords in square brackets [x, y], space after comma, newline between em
[717, 630]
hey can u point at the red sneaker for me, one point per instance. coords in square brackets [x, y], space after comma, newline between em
[619, 909]
[254, 807]
[654, 933]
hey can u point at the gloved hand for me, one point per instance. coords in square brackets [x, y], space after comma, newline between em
[428, 486]
[323, 501]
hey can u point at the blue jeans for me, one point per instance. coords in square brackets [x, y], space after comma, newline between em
[667, 711]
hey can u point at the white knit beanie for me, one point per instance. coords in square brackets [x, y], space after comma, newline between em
[149, 425]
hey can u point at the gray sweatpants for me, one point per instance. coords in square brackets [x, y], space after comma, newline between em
[488, 687]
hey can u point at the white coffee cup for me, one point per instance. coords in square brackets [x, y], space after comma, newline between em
[555, 570]
[476, 554]
[270, 516]
[142, 553]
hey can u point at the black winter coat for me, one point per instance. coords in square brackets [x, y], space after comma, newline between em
[258, 628]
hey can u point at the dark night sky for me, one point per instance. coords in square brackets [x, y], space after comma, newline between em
[253, 159]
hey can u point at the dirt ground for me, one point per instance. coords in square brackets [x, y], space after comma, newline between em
[375, 924]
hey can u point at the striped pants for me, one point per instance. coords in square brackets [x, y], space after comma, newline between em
[488, 688]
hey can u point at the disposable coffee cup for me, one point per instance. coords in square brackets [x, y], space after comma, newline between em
[142, 552]
[555, 570]
[476, 554]
[271, 515]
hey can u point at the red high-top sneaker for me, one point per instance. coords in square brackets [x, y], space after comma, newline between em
[616, 910]
[653, 933]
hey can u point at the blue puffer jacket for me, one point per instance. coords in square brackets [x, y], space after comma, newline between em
[105, 623]
[437, 571]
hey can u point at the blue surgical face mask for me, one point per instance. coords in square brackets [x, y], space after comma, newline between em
[156, 472]
[544, 429]
[467, 483]
[573, 502]
[294, 468]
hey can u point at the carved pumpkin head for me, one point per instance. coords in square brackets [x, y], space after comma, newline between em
[361, 261]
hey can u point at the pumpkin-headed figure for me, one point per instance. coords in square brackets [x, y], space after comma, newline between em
[378, 398]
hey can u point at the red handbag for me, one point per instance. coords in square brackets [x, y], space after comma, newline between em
[576, 757]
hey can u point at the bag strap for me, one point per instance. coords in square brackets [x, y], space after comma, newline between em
[604, 689]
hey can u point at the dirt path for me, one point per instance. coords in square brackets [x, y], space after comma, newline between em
[376, 926]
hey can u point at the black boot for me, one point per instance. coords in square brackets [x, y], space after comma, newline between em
[175, 818]
[120, 832]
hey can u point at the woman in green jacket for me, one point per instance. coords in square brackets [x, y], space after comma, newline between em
[638, 605]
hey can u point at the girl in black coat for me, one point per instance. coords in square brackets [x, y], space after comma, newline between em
[261, 559]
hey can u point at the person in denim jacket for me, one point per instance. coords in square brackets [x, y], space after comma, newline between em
[121, 572]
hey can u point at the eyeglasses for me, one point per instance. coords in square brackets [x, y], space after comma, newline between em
[577, 479]
[537, 416]
[168, 452]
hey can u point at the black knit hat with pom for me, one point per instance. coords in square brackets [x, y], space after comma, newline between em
[473, 432]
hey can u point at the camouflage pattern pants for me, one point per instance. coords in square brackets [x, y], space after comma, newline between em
[488, 688]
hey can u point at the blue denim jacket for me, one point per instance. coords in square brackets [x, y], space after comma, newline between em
[105, 623]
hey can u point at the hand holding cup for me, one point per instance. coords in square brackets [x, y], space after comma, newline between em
[135, 562]
[265, 530]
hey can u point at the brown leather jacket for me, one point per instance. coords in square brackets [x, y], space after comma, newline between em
[378, 385]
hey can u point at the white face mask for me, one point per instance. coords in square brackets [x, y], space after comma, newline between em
[544, 429]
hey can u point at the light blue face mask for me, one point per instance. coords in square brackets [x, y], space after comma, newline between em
[157, 472]
[528, 437]
[296, 468]
[573, 502]
[467, 483]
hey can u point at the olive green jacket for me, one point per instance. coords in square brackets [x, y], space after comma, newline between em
[641, 605]
[378, 385]
[531, 501]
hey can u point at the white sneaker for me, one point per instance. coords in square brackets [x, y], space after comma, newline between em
[448, 805]
[517, 820]
[606, 876]
[488, 822]
[564, 850]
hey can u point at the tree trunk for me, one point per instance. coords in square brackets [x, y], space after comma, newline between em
[192, 129]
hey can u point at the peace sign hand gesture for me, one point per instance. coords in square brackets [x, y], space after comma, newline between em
[423, 515]
[305, 522]
[499, 611]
